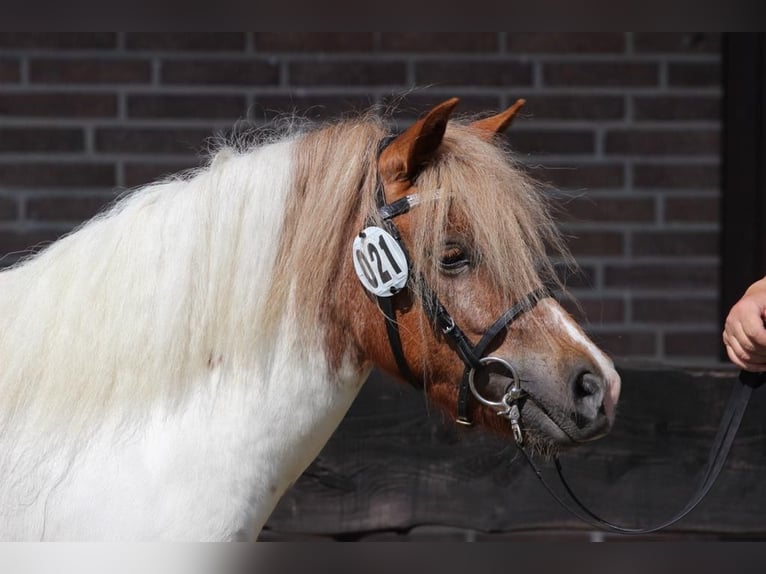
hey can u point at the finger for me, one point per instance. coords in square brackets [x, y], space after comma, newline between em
[757, 357]
[734, 358]
[751, 351]
[738, 333]
[733, 324]
[755, 330]
[733, 348]
[737, 354]
[745, 365]
[755, 367]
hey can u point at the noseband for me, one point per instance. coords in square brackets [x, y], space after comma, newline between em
[472, 356]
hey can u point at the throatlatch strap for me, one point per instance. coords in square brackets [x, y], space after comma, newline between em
[441, 319]
[386, 305]
[727, 430]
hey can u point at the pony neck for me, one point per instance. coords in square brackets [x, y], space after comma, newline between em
[143, 329]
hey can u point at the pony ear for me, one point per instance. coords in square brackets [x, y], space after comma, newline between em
[498, 123]
[410, 151]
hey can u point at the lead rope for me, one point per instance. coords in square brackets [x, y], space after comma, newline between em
[727, 430]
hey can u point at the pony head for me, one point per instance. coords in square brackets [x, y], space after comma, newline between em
[477, 239]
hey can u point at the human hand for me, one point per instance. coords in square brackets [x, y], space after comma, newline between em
[744, 333]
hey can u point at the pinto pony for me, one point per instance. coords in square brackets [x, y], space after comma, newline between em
[170, 368]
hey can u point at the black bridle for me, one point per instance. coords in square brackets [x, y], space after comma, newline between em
[473, 357]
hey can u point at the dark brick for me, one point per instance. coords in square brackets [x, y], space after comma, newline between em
[186, 106]
[694, 74]
[317, 107]
[314, 41]
[619, 73]
[479, 73]
[141, 173]
[90, 71]
[630, 344]
[694, 344]
[59, 40]
[607, 210]
[676, 176]
[66, 209]
[692, 209]
[584, 176]
[575, 107]
[347, 73]
[411, 106]
[677, 108]
[193, 41]
[675, 310]
[566, 43]
[552, 142]
[8, 209]
[584, 276]
[65, 105]
[220, 72]
[663, 142]
[9, 71]
[151, 140]
[595, 243]
[26, 243]
[679, 42]
[596, 311]
[41, 140]
[673, 275]
[675, 243]
[47, 174]
[439, 41]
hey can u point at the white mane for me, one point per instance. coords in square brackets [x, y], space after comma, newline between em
[139, 300]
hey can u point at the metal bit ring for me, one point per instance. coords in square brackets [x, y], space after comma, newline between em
[514, 387]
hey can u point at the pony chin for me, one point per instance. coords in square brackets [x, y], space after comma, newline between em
[541, 435]
[546, 436]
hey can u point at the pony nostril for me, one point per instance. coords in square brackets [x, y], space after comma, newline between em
[588, 384]
[588, 391]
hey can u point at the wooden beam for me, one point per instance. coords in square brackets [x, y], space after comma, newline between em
[393, 466]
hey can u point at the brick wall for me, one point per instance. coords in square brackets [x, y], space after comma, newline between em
[626, 126]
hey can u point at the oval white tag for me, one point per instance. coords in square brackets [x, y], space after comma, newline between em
[380, 262]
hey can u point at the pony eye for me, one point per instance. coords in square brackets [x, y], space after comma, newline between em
[454, 258]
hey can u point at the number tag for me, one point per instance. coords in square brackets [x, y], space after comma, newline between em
[379, 262]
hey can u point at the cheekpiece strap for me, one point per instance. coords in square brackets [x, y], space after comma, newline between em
[490, 334]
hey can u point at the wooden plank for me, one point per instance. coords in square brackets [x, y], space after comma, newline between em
[392, 466]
